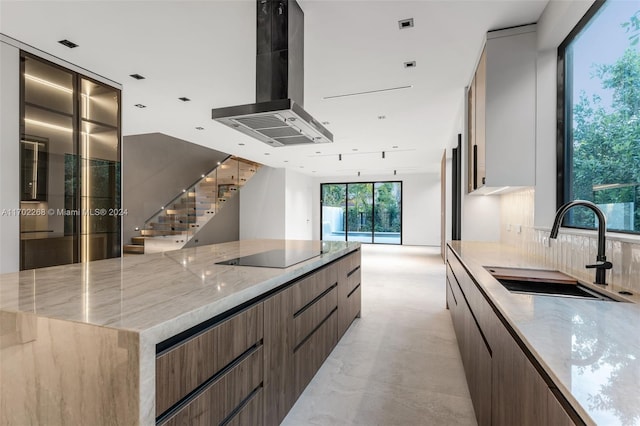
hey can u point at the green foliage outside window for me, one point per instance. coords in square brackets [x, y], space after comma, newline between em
[605, 132]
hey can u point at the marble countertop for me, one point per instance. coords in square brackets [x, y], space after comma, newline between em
[161, 294]
[590, 349]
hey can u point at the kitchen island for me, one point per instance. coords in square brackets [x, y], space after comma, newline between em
[539, 359]
[172, 337]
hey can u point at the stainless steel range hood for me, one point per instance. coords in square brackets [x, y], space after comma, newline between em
[278, 117]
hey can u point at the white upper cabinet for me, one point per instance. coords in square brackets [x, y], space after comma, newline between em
[501, 112]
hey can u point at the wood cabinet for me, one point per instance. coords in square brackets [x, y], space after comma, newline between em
[236, 392]
[250, 368]
[349, 290]
[501, 111]
[474, 351]
[506, 386]
[186, 366]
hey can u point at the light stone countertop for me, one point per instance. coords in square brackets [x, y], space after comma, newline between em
[590, 349]
[158, 294]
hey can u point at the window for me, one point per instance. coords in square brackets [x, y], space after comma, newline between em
[368, 212]
[599, 116]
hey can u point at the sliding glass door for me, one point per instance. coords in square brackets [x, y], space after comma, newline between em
[368, 212]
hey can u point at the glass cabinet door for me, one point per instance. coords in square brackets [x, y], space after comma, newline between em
[69, 167]
[46, 179]
[99, 171]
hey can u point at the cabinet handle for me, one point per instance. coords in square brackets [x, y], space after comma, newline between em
[475, 167]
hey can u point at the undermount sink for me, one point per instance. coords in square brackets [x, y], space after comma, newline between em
[544, 283]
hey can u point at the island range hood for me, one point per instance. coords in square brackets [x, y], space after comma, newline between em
[278, 117]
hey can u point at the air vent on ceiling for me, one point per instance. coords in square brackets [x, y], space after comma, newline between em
[68, 43]
[137, 76]
[410, 64]
[405, 23]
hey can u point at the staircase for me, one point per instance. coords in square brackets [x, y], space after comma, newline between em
[171, 227]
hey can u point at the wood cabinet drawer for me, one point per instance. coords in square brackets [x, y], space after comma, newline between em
[225, 397]
[354, 303]
[251, 414]
[313, 286]
[309, 356]
[353, 279]
[306, 320]
[183, 368]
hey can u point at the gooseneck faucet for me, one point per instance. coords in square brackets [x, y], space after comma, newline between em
[601, 264]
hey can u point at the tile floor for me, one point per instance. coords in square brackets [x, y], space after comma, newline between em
[399, 364]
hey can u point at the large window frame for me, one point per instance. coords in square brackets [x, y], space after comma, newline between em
[373, 207]
[564, 130]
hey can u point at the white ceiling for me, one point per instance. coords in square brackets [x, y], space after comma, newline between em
[205, 50]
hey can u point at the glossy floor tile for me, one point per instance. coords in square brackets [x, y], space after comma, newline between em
[399, 364]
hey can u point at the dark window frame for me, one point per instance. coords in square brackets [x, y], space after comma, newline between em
[372, 207]
[564, 150]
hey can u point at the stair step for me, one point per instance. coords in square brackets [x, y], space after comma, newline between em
[133, 249]
[139, 241]
[159, 232]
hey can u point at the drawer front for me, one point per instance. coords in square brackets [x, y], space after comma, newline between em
[353, 279]
[354, 303]
[307, 320]
[251, 414]
[186, 366]
[354, 260]
[308, 358]
[313, 286]
[219, 400]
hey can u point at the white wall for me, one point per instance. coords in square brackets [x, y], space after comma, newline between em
[420, 205]
[556, 22]
[298, 206]
[9, 155]
[262, 205]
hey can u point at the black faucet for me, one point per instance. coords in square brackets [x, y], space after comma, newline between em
[601, 264]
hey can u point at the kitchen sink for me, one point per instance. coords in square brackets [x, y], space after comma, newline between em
[544, 283]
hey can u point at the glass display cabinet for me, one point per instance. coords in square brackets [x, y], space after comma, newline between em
[70, 166]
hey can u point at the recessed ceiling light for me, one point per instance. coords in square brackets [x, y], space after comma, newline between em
[184, 99]
[382, 117]
[241, 144]
[140, 106]
[199, 128]
[266, 153]
[137, 76]
[405, 23]
[318, 152]
[395, 146]
[410, 64]
[302, 167]
[68, 43]
[354, 149]
[286, 161]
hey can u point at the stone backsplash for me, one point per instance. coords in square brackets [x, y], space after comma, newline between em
[573, 249]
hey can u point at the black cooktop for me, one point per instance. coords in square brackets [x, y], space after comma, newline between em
[279, 258]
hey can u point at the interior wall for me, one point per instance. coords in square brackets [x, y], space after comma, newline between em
[263, 205]
[9, 157]
[223, 227]
[420, 204]
[555, 23]
[155, 168]
[298, 206]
